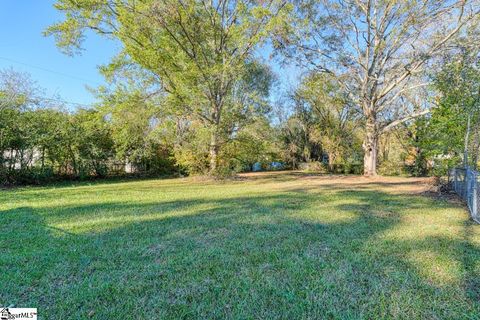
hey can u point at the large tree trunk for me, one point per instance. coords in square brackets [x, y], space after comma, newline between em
[213, 152]
[370, 147]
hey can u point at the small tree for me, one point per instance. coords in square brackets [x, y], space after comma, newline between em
[334, 120]
[446, 133]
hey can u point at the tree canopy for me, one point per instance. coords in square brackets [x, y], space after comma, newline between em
[378, 52]
[196, 50]
[195, 88]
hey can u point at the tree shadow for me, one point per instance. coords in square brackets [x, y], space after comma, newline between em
[238, 257]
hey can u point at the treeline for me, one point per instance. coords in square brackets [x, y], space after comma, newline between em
[137, 130]
[133, 131]
[190, 90]
[41, 140]
[365, 68]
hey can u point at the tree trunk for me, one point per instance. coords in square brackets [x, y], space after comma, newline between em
[331, 161]
[43, 158]
[213, 152]
[74, 162]
[370, 147]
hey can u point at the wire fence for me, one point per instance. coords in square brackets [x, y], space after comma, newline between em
[464, 181]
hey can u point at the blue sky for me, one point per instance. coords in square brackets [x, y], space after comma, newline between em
[24, 48]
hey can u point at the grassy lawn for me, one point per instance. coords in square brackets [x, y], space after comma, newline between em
[266, 246]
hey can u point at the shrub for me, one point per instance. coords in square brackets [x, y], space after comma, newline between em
[314, 166]
[391, 168]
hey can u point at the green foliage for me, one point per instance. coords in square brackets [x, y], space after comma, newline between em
[135, 125]
[443, 133]
[188, 93]
[133, 121]
[254, 143]
[391, 168]
[191, 149]
[43, 143]
[200, 53]
[378, 52]
[40, 143]
[314, 166]
[324, 123]
[91, 141]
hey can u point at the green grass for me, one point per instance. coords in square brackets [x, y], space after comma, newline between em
[272, 246]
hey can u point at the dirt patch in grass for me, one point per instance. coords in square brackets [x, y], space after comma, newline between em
[404, 185]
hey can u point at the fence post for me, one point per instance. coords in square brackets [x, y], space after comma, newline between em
[474, 196]
[466, 182]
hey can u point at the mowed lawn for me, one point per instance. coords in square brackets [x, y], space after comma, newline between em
[263, 246]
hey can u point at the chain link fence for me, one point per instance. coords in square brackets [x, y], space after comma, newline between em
[464, 181]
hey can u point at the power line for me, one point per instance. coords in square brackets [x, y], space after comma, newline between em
[39, 99]
[67, 102]
[58, 73]
[47, 70]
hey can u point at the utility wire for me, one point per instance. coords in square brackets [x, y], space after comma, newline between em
[57, 73]
[66, 102]
[48, 70]
[36, 100]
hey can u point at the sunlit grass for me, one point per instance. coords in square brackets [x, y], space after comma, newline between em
[283, 245]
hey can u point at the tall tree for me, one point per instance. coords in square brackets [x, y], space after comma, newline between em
[195, 48]
[377, 50]
[247, 104]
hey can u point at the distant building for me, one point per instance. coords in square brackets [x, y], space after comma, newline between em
[27, 158]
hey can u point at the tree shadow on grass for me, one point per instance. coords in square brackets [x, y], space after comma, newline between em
[242, 258]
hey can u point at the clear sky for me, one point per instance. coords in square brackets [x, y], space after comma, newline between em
[24, 48]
